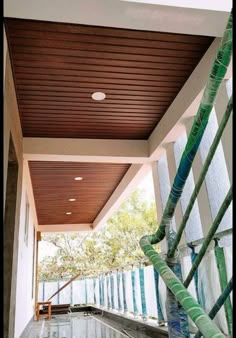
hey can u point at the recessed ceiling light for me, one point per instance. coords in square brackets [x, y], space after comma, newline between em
[68, 213]
[98, 96]
[72, 199]
[78, 178]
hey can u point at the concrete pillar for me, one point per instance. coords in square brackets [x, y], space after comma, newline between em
[172, 172]
[5, 51]
[6, 119]
[217, 178]
[226, 139]
[193, 229]
[229, 85]
[9, 234]
[12, 133]
[167, 172]
[203, 198]
[163, 172]
[158, 200]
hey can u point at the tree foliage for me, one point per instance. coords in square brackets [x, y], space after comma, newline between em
[115, 246]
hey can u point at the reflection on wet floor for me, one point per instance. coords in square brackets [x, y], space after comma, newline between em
[71, 326]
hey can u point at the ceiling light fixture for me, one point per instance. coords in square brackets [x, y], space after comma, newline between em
[98, 96]
[78, 178]
[72, 199]
[68, 213]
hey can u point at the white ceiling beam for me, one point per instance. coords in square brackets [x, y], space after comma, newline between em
[127, 14]
[64, 227]
[127, 185]
[184, 105]
[214, 5]
[85, 150]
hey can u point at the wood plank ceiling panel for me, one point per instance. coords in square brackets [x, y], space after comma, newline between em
[58, 66]
[54, 184]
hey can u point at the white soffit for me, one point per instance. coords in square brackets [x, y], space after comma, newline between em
[213, 5]
[126, 14]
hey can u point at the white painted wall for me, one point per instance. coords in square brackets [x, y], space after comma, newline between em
[24, 301]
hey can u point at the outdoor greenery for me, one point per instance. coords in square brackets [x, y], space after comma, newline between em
[115, 246]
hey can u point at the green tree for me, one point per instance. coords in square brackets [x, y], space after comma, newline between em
[115, 246]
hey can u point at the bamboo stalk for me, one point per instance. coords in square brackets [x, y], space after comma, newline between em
[209, 236]
[193, 309]
[216, 76]
[201, 177]
[221, 265]
[218, 71]
[220, 301]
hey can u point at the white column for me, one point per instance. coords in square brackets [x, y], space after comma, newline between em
[203, 198]
[226, 139]
[217, 178]
[6, 119]
[193, 229]
[5, 51]
[158, 200]
[171, 164]
[163, 174]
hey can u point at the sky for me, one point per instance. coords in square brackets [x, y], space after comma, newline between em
[47, 249]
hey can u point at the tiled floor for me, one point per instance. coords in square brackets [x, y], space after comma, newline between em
[76, 325]
[72, 326]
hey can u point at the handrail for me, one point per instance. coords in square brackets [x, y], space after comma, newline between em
[197, 242]
[193, 309]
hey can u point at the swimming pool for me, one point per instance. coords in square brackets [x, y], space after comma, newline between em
[72, 326]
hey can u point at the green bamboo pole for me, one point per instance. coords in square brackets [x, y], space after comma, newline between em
[217, 74]
[220, 301]
[209, 236]
[193, 309]
[221, 265]
[201, 177]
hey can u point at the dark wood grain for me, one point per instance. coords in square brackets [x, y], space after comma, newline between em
[57, 67]
[53, 184]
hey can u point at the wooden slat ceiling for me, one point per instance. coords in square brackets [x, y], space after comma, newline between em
[58, 66]
[53, 185]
